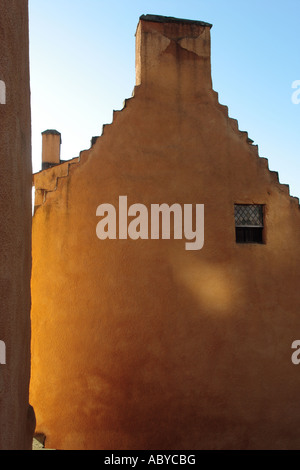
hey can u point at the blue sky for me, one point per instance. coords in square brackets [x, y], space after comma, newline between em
[82, 61]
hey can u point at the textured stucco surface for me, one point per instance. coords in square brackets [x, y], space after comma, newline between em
[16, 417]
[141, 344]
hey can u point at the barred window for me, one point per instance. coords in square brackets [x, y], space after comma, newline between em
[249, 223]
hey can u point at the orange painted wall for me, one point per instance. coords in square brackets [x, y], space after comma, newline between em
[142, 344]
[16, 416]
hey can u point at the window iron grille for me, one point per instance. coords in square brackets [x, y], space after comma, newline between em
[249, 223]
[248, 215]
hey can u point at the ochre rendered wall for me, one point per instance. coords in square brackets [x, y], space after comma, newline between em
[142, 344]
[16, 417]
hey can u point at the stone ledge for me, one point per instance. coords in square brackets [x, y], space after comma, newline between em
[171, 19]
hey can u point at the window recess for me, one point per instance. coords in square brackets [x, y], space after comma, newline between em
[249, 223]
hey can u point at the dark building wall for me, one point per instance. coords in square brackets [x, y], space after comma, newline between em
[16, 417]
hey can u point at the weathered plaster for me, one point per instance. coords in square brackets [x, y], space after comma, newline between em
[140, 344]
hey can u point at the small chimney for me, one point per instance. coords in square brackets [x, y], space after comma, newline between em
[51, 142]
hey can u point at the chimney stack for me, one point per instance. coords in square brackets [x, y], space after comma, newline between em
[173, 54]
[51, 142]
